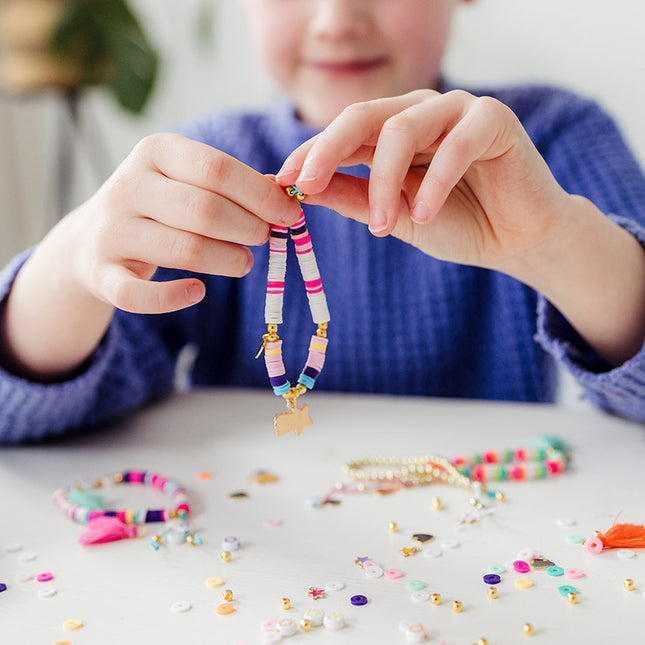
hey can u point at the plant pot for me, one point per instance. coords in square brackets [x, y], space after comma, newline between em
[26, 64]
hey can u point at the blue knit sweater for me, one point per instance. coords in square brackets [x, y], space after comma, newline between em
[401, 322]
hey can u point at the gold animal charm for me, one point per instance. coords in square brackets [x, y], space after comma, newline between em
[293, 421]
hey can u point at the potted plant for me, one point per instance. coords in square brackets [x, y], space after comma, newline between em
[70, 44]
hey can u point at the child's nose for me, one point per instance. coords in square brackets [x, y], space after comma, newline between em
[338, 18]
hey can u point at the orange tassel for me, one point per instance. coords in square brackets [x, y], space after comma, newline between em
[626, 536]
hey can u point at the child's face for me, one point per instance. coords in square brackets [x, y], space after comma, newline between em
[327, 54]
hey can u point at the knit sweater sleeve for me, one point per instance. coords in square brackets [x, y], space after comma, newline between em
[130, 367]
[588, 156]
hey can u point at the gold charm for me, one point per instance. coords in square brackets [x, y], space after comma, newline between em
[295, 420]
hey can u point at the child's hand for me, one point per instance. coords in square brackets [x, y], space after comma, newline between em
[452, 174]
[179, 204]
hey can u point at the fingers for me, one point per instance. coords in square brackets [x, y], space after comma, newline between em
[125, 291]
[188, 208]
[350, 139]
[197, 164]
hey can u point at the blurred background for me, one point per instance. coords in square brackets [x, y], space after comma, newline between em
[57, 147]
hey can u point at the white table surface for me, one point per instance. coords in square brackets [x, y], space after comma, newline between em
[123, 591]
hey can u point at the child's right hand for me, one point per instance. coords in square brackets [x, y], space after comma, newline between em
[172, 203]
[179, 204]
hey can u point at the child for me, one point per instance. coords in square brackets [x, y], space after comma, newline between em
[474, 206]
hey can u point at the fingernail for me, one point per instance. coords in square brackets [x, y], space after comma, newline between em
[420, 213]
[288, 167]
[308, 173]
[194, 293]
[378, 220]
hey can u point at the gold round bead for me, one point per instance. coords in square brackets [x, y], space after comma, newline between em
[226, 556]
[227, 595]
[629, 584]
[285, 603]
[435, 599]
[528, 629]
[482, 641]
[572, 597]
[597, 534]
[394, 527]
[457, 606]
[436, 504]
[492, 592]
[499, 496]
[305, 625]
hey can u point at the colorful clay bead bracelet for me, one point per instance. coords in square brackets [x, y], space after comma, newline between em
[297, 418]
[83, 504]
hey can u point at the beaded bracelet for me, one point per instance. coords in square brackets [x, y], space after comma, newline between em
[82, 504]
[296, 418]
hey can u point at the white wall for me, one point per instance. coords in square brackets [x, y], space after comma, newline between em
[591, 46]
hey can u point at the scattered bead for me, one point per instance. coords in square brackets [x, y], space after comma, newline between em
[626, 554]
[435, 599]
[628, 584]
[555, 571]
[24, 577]
[226, 556]
[523, 583]
[305, 625]
[408, 551]
[492, 579]
[3, 587]
[224, 609]
[457, 606]
[230, 543]
[13, 547]
[499, 496]
[520, 566]
[373, 572]
[286, 627]
[333, 621]
[358, 600]
[540, 564]
[416, 633]
[415, 585]
[263, 477]
[204, 475]
[492, 592]
[573, 574]
[238, 495]
[482, 641]
[45, 577]
[565, 521]
[285, 603]
[180, 607]
[496, 568]
[214, 582]
[436, 504]
[574, 539]
[316, 593]
[565, 590]
[422, 537]
[47, 592]
[528, 629]
[594, 545]
[272, 523]
[572, 598]
[314, 616]
[227, 595]
[432, 552]
[27, 556]
[72, 624]
[334, 585]
[394, 527]
[420, 596]
[393, 574]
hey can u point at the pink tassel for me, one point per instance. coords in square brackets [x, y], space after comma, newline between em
[107, 529]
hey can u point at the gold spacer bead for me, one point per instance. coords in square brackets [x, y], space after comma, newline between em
[118, 478]
[528, 629]
[492, 592]
[435, 599]
[457, 606]
[499, 496]
[572, 597]
[305, 625]
[285, 603]
[322, 330]
[226, 556]
[173, 513]
[436, 504]
[227, 595]
[597, 534]
[394, 527]
[482, 641]
[629, 584]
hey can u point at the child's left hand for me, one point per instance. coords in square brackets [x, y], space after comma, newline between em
[453, 174]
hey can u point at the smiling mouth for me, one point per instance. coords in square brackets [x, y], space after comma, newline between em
[346, 67]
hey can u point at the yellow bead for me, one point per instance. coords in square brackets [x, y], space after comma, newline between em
[435, 599]
[628, 584]
[572, 597]
[529, 630]
[492, 592]
[227, 595]
[226, 556]
[482, 641]
[457, 606]
[436, 504]
[305, 625]
[500, 497]
[394, 527]
[285, 603]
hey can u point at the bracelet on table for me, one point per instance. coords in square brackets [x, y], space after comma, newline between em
[82, 503]
[296, 418]
[384, 475]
